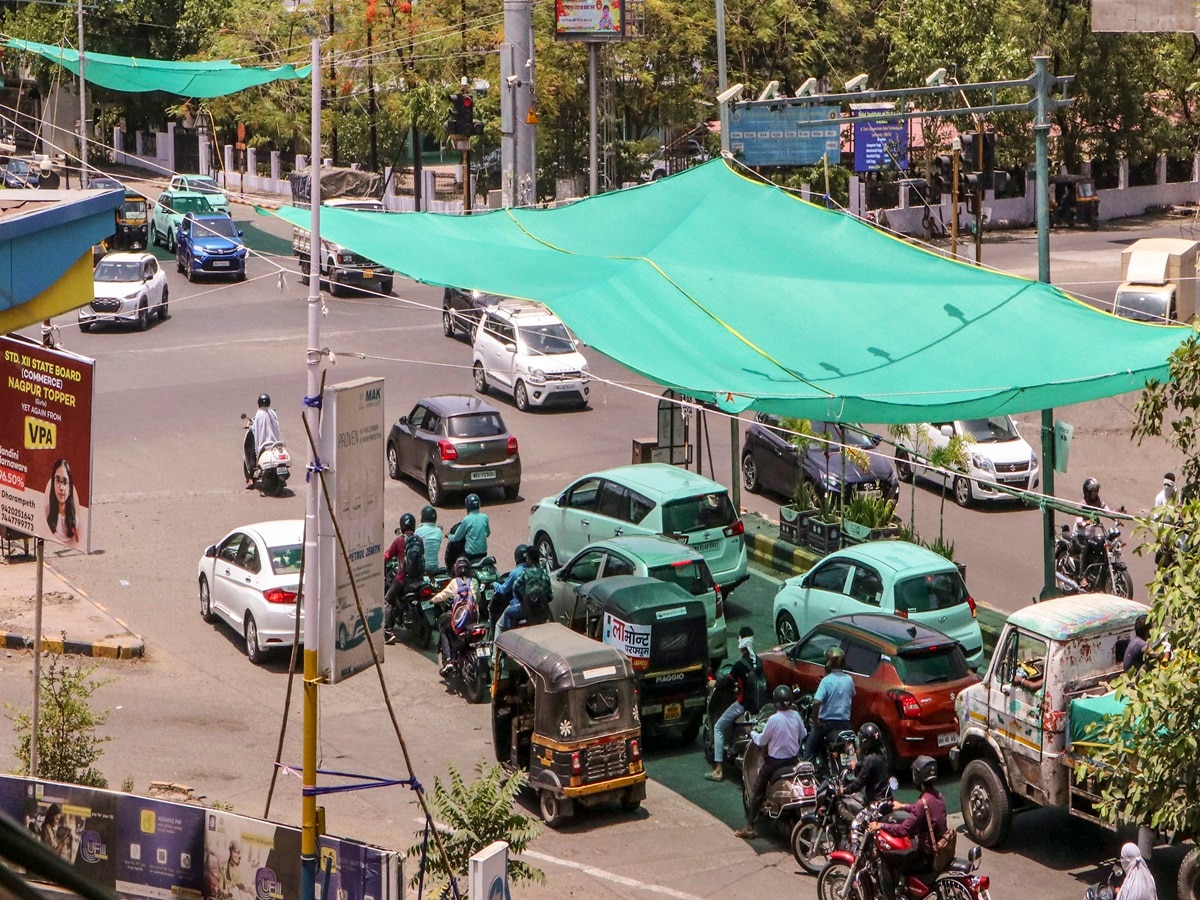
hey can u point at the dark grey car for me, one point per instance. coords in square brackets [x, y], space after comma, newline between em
[455, 443]
[462, 310]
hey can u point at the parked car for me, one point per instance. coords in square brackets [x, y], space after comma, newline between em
[168, 211]
[770, 461]
[126, 287]
[206, 185]
[210, 244]
[893, 577]
[462, 310]
[652, 498]
[454, 443]
[675, 157]
[523, 349]
[648, 556]
[249, 580]
[906, 676]
[104, 183]
[20, 173]
[998, 455]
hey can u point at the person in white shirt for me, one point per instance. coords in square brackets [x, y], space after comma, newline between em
[266, 431]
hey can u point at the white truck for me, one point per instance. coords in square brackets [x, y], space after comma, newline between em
[1159, 281]
[1025, 727]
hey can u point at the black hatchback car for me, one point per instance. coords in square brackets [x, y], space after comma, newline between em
[463, 309]
[454, 443]
[770, 461]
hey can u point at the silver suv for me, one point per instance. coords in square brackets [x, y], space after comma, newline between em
[523, 349]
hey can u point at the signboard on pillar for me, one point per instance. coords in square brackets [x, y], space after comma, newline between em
[589, 20]
[351, 448]
[487, 873]
[781, 135]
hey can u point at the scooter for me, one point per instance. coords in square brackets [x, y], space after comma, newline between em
[1107, 890]
[721, 693]
[271, 470]
[791, 792]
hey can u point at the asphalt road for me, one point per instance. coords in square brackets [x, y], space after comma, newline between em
[168, 482]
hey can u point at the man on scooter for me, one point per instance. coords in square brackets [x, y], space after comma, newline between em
[831, 703]
[266, 431]
[505, 599]
[872, 776]
[781, 736]
[740, 674]
[462, 590]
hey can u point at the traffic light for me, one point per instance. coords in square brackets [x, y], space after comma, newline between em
[452, 114]
[940, 177]
[464, 114]
[970, 154]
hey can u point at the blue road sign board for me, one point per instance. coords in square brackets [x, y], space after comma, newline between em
[880, 145]
[762, 135]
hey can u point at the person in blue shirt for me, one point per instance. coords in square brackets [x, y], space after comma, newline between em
[473, 531]
[781, 737]
[506, 605]
[431, 534]
[831, 703]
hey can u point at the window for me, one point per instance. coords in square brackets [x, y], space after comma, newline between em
[813, 649]
[617, 565]
[866, 586]
[1025, 662]
[433, 422]
[586, 567]
[932, 666]
[602, 703]
[286, 560]
[546, 340]
[861, 659]
[639, 507]
[930, 593]
[250, 561]
[690, 574]
[475, 425]
[228, 551]
[417, 417]
[698, 513]
[583, 494]
[831, 577]
[151, 267]
[501, 331]
[996, 430]
[614, 501]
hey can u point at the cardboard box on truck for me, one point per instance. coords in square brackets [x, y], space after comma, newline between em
[1159, 281]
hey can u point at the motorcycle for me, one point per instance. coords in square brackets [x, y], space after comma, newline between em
[1107, 890]
[271, 470]
[790, 793]
[1089, 559]
[414, 611]
[855, 872]
[471, 664]
[721, 693]
[827, 827]
[840, 753]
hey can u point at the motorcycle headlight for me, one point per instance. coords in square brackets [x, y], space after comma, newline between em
[537, 376]
[982, 462]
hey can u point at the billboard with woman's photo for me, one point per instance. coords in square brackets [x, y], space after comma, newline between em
[45, 442]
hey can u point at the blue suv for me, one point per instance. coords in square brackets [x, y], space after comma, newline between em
[210, 244]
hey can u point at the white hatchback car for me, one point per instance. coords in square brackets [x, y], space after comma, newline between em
[206, 185]
[998, 455]
[249, 579]
[126, 287]
[523, 349]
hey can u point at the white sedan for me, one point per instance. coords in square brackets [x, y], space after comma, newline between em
[250, 578]
[126, 287]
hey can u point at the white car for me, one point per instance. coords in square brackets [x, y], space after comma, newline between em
[206, 185]
[126, 287]
[998, 455]
[249, 579]
[523, 349]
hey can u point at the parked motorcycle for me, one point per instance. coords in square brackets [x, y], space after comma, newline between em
[790, 793]
[721, 693]
[1089, 559]
[855, 872]
[471, 671]
[826, 828]
[271, 469]
[414, 611]
[1107, 890]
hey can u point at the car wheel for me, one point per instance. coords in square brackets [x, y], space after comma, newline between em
[630, 802]
[254, 651]
[986, 806]
[785, 629]
[179, 266]
[433, 487]
[521, 396]
[962, 491]
[303, 266]
[690, 730]
[143, 318]
[545, 549]
[750, 473]
[206, 612]
[550, 806]
[481, 384]
[170, 239]
[1188, 882]
[162, 307]
[393, 462]
[240, 276]
[188, 272]
[153, 234]
[385, 288]
[512, 491]
[85, 327]
[904, 470]
[447, 323]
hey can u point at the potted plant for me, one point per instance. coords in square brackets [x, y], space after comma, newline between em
[825, 526]
[946, 548]
[793, 518]
[869, 517]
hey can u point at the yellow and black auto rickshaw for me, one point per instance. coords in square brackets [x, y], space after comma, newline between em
[1075, 201]
[132, 222]
[564, 709]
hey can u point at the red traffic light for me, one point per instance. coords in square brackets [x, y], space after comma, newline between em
[467, 102]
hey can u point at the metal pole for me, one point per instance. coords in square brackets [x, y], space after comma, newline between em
[83, 131]
[722, 65]
[954, 204]
[734, 438]
[979, 195]
[37, 660]
[311, 587]
[593, 153]
[466, 167]
[1041, 135]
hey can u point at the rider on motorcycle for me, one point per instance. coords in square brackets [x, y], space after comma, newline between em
[926, 823]
[462, 590]
[265, 427]
[473, 531]
[1091, 501]
[409, 552]
[740, 674]
[431, 536]
[505, 599]
[831, 703]
[781, 736]
[872, 776]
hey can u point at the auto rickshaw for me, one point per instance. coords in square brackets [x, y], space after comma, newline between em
[132, 221]
[564, 709]
[1075, 201]
[661, 629]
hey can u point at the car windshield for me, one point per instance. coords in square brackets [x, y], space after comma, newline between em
[189, 204]
[852, 438]
[995, 430]
[929, 593]
[108, 270]
[285, 560]
[690, 574]
[18, 167]
[546, 339]
[475, 425]
[222, 226]
[698, 513]
[1144, 306]
[935, 665]
[135, 209]
[203, 185]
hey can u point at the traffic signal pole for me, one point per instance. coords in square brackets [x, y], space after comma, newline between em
[954, 202]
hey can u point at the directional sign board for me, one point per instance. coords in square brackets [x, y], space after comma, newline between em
[880, 145]
[774, 135]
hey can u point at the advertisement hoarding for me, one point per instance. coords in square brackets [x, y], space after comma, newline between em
[631, 640]
[589, 20]
[880, 146]
[46, 442]
[778, 135]
[351, 442]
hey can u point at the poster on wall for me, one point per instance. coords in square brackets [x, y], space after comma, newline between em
[46, 442]
[249, 859]
[355, 871]
[589, 20]
[78, 823]
[159, 848]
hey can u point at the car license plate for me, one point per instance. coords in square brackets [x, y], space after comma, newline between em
[483, 476]
[672, 711]
[947, 738]
[368, 273]
[220, 263]
[482, 653]
[706, 546]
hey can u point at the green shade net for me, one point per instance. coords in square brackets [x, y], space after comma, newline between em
[740, 293]
[187, 79]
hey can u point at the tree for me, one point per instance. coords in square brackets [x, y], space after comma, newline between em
[68, 743]
[477, 814]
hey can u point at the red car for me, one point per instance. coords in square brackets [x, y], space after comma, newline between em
[906, 676]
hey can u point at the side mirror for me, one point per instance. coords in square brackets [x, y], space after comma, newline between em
[976, 852]
[876, 440]
[947, 431]
[239, 232]
[561, 501]
[510, 348]
[403, 420]
[211, 552]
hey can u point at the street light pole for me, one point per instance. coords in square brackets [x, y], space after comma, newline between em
[83, 136]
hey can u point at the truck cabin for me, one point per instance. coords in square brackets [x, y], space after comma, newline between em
[1146, 303]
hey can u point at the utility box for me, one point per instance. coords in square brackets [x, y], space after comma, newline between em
[1158, 281]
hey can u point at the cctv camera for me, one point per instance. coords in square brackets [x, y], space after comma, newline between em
[936, 77]
[857, 83]
[513, 81]
[808, 88]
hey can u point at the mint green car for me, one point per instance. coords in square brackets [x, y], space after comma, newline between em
[169, 210]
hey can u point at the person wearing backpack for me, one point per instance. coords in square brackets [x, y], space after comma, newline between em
[461, 592]
[505, 598]
[743, 673]
[409, 550]
[534, 590]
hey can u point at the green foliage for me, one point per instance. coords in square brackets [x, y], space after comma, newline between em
[799, 432]
[805, 495]
[826, 505]
[477, 814]
[953, 457]
[869, 509]
[68, 743]
[940, 547]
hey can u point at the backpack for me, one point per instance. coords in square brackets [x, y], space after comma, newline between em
[756, 694]
[414, 557]
[535, 595]
[464, 612]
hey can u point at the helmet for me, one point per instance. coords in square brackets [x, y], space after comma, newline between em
[408, 523]
[46, 167]
[428, 514]
[462, 567]
[1091, 487]
[782, 695]
[264, 400]
[924, 768]
[519, 553]
[472, 502]
[869, 737]
[835, 658]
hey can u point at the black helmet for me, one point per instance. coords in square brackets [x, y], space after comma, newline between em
[1091, 487]
[428, 514]
[869, 737]
[782, 696]
[408, 523]
[472, 502]
[264, 400]
[462, 567]
[924, 769]
[835, 658]
[519, 553]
